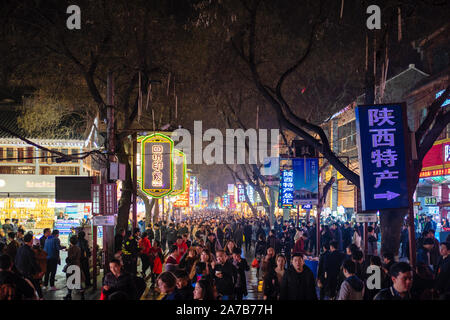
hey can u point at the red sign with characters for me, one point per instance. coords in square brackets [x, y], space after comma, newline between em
[438, 156]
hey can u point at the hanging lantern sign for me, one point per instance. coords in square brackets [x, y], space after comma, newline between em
[156, 165]
[179, 172]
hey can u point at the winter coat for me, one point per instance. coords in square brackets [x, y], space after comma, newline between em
[26, 262]
[41, 260]
[298, 286]
[241, 282]
[225, 285]
[124, 283]
[52, 247]
[145, 246]
[275, 243]
[351, 289]
[260, 248]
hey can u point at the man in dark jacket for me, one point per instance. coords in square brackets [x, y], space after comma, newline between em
[321, 269]
[286, 244]
[332, 268]
[298, 281]
[402, 278]
[347, 234]
[47, 233]
[273, 242]
[248, 236]
[443, 270]
[85, 255]
[225, 276]
[171, 235]
[163, 229]
[337, 234]
[220, 234]
[184, 287]
[238, 235]
[25, 260]
[13, 285]
[241, 266]
[119, 281]
[404, 241]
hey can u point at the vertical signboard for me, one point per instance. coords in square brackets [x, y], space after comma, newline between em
[286, 194]
[241, 193]
[179, 172]
[382, 137]
[192, 189]
[182, 200]
[156, 165]
[250, 193]
[306, 180]
[225, 200]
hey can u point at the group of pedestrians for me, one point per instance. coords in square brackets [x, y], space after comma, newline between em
[29, 264]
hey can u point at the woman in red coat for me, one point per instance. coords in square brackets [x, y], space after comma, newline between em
[145, 246]
[156, 259]
[299, 246]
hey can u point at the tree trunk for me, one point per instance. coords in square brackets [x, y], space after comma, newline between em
[156, 212]
[127, 186]
[148, 207]
[391, 227]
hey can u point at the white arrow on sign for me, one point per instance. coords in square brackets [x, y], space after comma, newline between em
[388, 195]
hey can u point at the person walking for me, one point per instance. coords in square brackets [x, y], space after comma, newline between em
[145, 246]
[353, 287]
[240, 288]
[46, 233]
[85, 255]
[52, 247]
[130, 251]
[225, 275]
[41, 259]
[73, 259]
[402, 278]
[332, 268]
[26, 262]
[298, 281]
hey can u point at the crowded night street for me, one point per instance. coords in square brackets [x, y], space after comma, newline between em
[227, 156]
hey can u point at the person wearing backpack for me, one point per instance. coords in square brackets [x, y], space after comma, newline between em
[352, 288]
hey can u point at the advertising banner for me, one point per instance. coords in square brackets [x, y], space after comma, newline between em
[306, 180]
[156, 165]
[286, 194]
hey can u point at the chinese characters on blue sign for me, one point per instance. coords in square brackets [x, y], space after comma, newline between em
[382, 148]
[241, 193]
[286, 189]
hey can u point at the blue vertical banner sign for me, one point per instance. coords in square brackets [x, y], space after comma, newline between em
[306, 180]
[384, 153]
[286, 194]
[250, 193]
[241, 193]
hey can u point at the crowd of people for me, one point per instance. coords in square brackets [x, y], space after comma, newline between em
[205, 257]
[28, 264]
[209, 254]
